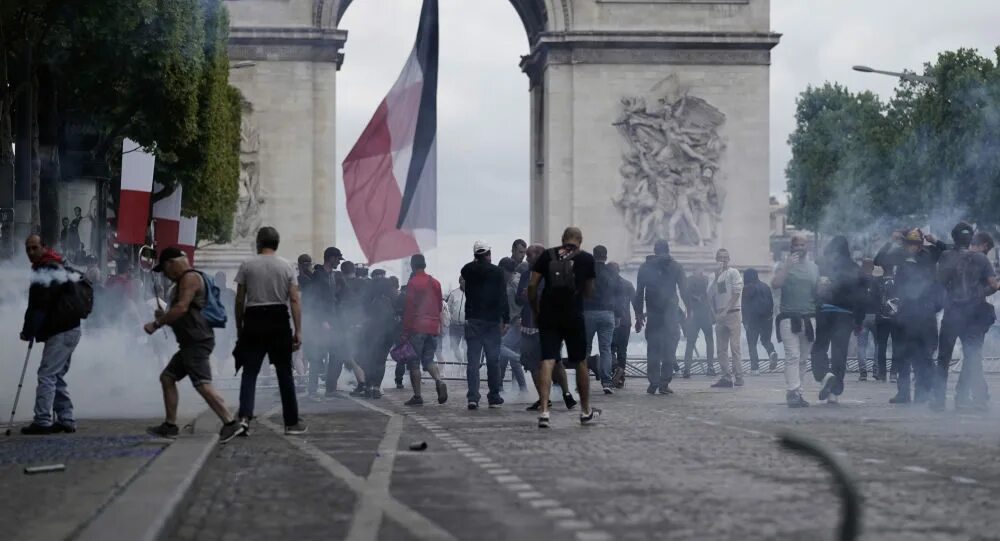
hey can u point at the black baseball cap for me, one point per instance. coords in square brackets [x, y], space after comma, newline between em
[166, 255]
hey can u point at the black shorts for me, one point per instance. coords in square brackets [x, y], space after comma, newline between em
[573, 333]
[191, 361]
[531, 351]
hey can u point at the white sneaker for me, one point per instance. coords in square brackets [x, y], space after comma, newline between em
[826, 388]
[543, 420]
[609, 390]
[833, 400]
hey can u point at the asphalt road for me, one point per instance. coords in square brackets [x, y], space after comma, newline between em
[701, 464]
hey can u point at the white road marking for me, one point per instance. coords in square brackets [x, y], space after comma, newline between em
[915, 469]
[560, 512]
[574, 524]
[531, 495]
[874, 461]
[593, 535]
[964, 480]
[540, 504]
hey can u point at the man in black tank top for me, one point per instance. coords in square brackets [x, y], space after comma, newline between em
[196, 340]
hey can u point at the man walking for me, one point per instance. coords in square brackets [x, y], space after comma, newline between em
[320, 296]
[623, 326]
[487, 315]
[699, 320]
[796, 278]
[968, 278]
[724, 295]
[599, 315]
[569, 277]
[350, 312]
[422, 328]
[531, 345]
[758, 317]
[510, 343]
[46, 320]
[195, 339]
[657, 307]
[266, 290]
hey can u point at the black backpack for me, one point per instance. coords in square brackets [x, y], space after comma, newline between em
[561, 276]
[77, 295]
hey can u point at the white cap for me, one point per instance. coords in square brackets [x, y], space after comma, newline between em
[480, 247]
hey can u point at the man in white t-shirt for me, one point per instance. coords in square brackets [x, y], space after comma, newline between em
[266, 289]
[725, 295]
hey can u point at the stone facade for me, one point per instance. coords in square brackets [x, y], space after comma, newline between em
[586, 57]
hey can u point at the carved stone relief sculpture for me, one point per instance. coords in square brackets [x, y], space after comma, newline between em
[671, 177]
[249, 207]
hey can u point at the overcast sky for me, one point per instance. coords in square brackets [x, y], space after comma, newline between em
[483, 96]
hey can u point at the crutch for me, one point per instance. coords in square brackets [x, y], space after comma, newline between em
[20, 384]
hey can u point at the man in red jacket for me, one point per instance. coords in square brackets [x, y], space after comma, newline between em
[422, 328]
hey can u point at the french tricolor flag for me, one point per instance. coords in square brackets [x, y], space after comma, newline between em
[167, 217]
[133, 202]
[187, 236]
[390, 176]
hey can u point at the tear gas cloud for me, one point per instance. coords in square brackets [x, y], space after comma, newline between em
[113, 372]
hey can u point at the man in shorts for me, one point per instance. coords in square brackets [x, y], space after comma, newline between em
[569, 276]
[422, 327]
[196, 340]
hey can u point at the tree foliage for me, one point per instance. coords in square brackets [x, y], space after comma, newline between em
[932, 150]
[155, 71]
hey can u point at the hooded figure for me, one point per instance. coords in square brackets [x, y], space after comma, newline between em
[842, 295]
[657, 306]
[758, 313]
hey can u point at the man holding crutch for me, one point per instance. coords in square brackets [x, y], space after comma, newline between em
[48, 319]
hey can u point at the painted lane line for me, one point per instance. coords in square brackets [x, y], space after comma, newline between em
[915, 469]
[874, 461]
[541, 504]
[593, 535]
[499, 471]
[532, 495]
[519, 487]
[368, 511]
[508, 479]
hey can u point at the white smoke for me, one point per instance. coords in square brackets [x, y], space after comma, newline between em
[113, 372]
[48, 276]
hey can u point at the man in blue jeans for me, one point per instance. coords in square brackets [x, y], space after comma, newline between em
[44, 321]
[487, 315]
[599, 315]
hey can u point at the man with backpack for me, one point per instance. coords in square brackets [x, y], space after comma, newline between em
[657, 308]
[267, 290]
[53, 317]
[968, 278]
[569, 277]
[186, 316]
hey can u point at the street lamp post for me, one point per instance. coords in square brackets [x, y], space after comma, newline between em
[904, 75]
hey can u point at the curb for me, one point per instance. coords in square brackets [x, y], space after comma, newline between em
[141, 511]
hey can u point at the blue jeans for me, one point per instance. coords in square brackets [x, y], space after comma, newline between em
[483, 337]
[52, 393]
[601, 323]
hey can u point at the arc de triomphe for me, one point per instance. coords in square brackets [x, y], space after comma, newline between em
[649, 118]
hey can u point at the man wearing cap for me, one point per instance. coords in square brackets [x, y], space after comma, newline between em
[968, 278]
[195, 339]
[267, 290]
[919, 302]
[422, 328]
[599, 315]
[487, 315]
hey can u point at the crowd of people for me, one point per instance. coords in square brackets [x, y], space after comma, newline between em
[538, 313]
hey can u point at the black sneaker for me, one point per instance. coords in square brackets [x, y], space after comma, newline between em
[772, 358]
[863, 376]
[399, 384]
[376, 393]
[296, 429]
[537, 405]
[417, 400]
[593, 416]
[473, 406]
[723, 383]
[710, 372]
[230, 430]
[543, 420]
[35, 429]
[686, 374]
[164, 430]
[652, 388]
[794, 400]
[64, 428]
[900, 399]
[496, 403]
[665, 389]
[568, 399]
[442, 391]
[359, 391]
[609, 390]
[827, 388]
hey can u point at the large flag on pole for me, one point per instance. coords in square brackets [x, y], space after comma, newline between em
[133, 201]
[187, 236]
[390, 176]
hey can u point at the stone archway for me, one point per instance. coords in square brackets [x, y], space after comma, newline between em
[649, 118]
